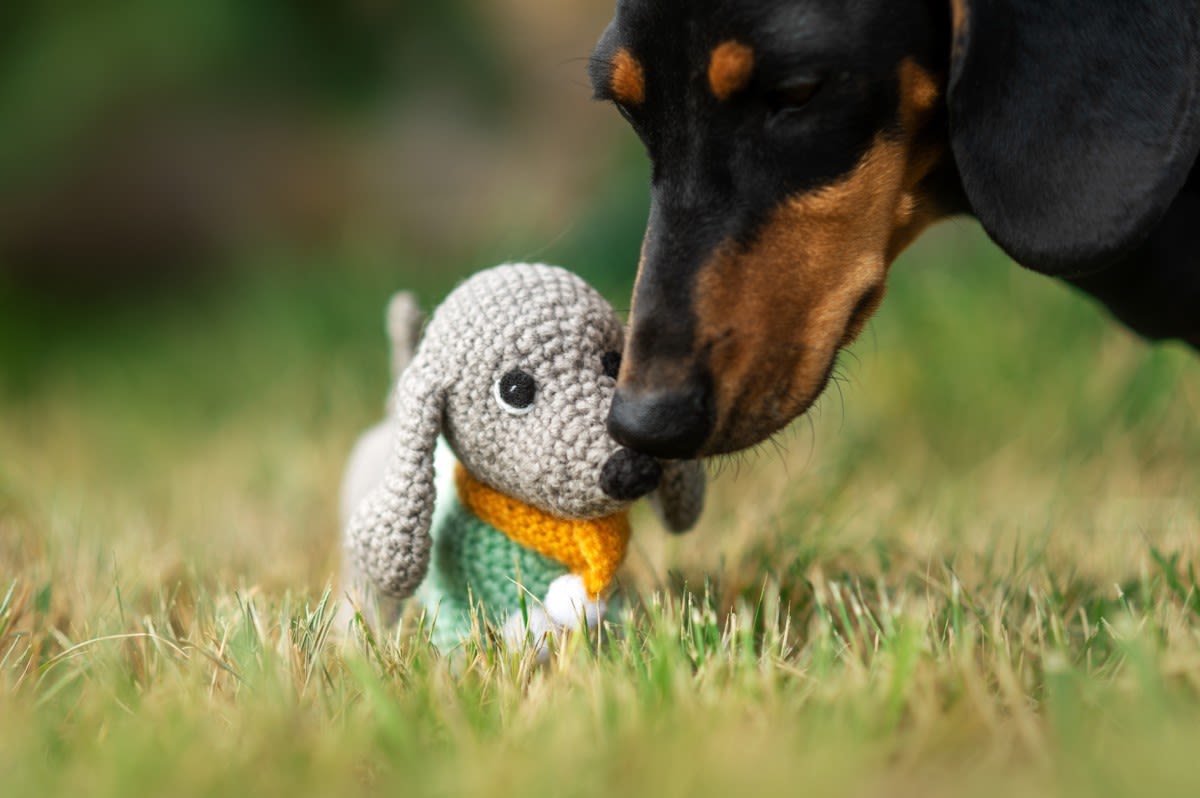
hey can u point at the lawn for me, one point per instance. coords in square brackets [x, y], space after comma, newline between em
[971, 571]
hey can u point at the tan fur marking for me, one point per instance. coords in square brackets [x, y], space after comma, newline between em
[790, 298]
[918, 94]
[628, 80]
[773, 316]
[729, 68]
[960, 19]
[958, 16]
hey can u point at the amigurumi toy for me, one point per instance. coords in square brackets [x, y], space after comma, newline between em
[515, 371]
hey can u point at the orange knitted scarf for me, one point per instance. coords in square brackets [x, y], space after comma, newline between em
[591, 548]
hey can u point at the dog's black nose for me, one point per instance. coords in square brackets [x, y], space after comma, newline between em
[629, 475]
[672, 425]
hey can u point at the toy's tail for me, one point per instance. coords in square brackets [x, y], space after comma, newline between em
[404, 320]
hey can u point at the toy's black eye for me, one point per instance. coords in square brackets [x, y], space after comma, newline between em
[611, 363]
[792, 95]
[515, 392]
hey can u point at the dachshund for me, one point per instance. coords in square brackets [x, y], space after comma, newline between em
[798, 146]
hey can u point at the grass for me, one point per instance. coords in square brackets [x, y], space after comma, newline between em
[971, 572]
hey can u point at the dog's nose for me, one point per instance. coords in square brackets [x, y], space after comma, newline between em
[629, 475]
[672, 425]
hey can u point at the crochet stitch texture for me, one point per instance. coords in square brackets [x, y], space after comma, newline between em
[478, 570]
[534, 452]
[592, 548]
[547, 322]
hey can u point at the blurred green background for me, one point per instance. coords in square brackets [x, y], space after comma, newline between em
[149, 143]
[203, 210]
[259, 173]
[204, 207]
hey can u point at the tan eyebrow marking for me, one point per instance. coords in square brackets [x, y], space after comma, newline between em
[729, 68]
[628, 81]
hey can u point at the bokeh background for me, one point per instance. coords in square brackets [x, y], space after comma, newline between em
[203, 210]
[972, 566]
[148, 143]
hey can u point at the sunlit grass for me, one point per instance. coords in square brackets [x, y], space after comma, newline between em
[972, 572]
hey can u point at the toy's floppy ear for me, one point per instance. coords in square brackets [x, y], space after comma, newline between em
[388, 534]
[679, 497]
[1073, 123]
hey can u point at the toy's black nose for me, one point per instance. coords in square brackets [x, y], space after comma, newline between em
[672, 425]
[629, 475]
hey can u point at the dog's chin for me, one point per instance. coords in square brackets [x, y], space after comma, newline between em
[747, 428]
[747, 431]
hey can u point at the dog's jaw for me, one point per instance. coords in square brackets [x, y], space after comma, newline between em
[789, 170]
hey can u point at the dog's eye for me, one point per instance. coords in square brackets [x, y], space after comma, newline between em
[611, 363]
[515, 392]
[793, 94]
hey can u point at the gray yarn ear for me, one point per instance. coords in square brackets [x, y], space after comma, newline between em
[388, 534]
[679, 498]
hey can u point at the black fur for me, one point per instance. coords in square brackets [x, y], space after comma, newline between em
[1071, 128]
[1074, 123]
[718, 168]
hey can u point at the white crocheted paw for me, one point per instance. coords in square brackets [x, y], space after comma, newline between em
[519, 631]
[567, 603]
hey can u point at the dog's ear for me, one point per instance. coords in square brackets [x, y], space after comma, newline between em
[1073, 122]
[388, 534]
[679, 497]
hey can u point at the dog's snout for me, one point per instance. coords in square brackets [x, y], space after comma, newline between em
[672, 425]
[629, 475]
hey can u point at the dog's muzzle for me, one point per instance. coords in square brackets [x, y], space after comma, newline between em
[629, 475]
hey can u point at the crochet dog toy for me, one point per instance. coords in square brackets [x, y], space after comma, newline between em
[516, 371]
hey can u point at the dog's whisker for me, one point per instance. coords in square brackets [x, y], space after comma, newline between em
[537, 253]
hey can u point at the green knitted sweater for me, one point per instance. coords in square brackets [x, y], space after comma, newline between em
[473, 563]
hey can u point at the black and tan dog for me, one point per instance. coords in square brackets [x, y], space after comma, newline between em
[797, 146]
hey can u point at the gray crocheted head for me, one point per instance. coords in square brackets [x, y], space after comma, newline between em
[517, 370]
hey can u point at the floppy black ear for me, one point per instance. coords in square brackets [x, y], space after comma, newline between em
[1073, 122]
